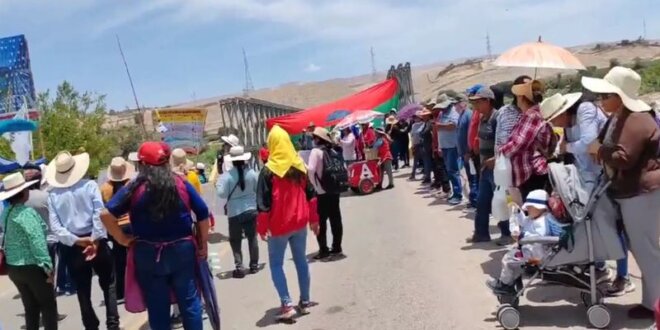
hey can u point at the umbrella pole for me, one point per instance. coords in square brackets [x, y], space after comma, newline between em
[536, 71]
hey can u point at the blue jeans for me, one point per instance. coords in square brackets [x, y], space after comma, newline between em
[473, 181]
[417, 155]
[450, 156]
[484, 204]
[621, 264]
[64, 279]
[427, 161]
[174, 272]
[276, 249]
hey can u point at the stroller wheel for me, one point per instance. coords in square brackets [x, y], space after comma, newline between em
[509, 300]
[586, 298]
[599, 316]
[508, 317]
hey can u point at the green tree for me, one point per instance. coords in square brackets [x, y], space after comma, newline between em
[73, 121]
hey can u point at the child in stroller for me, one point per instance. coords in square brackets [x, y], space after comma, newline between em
[537, 223]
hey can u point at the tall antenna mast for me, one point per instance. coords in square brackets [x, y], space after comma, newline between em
[130, 80]
[249, 87]
[373, 65]
[644, 25]
[488, 48]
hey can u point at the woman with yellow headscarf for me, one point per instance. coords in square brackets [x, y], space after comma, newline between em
[287, 205]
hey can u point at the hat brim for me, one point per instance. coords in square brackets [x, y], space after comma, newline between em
[324, 138]
[443, 105]
[571, 99]
[602, 86]
[72, 176]
[244, 157]
[130, 172]
[534, 205]
[4, 195]
[226, 140]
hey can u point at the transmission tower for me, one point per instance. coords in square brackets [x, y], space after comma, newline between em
[373, 65]
[249, 87]
[488, 49]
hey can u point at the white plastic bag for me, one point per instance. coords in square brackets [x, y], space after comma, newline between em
[499, 207]
[502, 172]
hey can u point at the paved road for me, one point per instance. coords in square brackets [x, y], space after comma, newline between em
[408, 267]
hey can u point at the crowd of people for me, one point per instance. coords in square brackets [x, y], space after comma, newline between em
[149, 222]
[606, 132]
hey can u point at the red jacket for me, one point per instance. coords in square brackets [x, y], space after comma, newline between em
[473, 133]
[384, 152]
[285, 206]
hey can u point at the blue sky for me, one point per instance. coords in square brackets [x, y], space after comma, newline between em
[177, 49]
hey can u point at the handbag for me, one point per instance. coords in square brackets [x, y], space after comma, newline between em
[3, 259]
[229, 197]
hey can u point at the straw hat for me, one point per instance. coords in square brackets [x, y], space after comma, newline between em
[322, 134]
[231, 139]
[120, 170]
[527, 89]
[65, 170]
[13, 184]
[238, 154]
[557, 104]
[621, 81]
[178, 157]
[443, 102]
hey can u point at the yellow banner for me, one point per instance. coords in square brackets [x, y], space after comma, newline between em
[181, 115]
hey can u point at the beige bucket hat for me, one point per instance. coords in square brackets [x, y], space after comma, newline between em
[13, 184]
[621, 81]
[557, 104]
[323, 134]
[120, 170]
[65, 170]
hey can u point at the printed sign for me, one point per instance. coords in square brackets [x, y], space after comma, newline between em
[182, 128]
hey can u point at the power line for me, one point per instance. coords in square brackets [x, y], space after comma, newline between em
[249, 87]
[130, 80]
[373, 65]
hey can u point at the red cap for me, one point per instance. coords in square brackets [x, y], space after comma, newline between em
[154, 153]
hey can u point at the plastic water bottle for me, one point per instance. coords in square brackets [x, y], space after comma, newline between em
[214, 262]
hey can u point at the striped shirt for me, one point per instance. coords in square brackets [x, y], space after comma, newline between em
[507, 118]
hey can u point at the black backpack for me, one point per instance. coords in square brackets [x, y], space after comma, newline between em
[334, 179]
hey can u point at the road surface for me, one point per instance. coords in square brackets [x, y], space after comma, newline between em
[407, 267]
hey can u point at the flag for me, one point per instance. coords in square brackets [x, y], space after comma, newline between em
[21, 142]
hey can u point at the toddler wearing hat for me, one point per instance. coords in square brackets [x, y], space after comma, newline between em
[537, 222]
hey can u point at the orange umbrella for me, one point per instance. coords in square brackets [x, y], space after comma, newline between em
[539, 55]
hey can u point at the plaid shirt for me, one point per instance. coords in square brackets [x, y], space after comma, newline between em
[529, 138]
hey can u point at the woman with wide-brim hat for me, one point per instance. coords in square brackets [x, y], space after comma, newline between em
[627, 147]
[119, 173]
[29, 265]
[239, 188]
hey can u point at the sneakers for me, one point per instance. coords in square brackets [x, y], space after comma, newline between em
[303, 307]
[620, 286]
[504, 241]
[176, 321]
[238, 273]
[499, 288]
[604, 275]
[454, 201]
[477, 239]
[254, 269]
[286, 313]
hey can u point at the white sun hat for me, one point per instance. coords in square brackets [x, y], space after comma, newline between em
[557, 104]
[621, 81]
[13, 184]
[537, 199]
[237, 153]
[231, 139]
[66, 170]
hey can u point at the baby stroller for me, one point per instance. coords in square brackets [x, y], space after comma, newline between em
[591, 237]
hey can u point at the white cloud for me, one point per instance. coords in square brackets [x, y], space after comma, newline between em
[311, 67]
